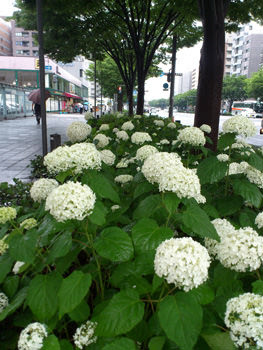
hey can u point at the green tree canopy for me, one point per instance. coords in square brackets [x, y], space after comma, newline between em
[186, 99]
[255, 85]
[234, 88]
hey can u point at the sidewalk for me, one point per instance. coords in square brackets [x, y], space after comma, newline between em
[21, 141]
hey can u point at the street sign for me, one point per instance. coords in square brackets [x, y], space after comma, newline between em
[161, 74]
[165, 89]
[178, 74]
[134, 92]
[165, 85]
[48, 67]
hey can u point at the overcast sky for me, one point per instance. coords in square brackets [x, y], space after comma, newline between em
[187, 59]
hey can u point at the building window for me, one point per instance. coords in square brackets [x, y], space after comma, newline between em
[19, 43]
[35, 52]
[81, 73]
[247, 42]
[18, 34]
[245, 68]
[19, 52]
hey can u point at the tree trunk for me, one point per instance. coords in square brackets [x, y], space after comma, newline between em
[211, 67]
[171, 99]
[129, 92]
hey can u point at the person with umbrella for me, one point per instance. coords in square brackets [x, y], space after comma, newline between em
[35, 97]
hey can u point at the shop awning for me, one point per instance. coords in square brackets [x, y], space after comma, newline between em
[72, 95]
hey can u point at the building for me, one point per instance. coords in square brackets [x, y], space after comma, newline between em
[247, 50]
[24, 42]
[5, 38]
[228, 54]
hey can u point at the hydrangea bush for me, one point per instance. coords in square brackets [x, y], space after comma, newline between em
[138, 244]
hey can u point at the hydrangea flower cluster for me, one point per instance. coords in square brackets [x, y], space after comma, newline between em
[79, 156]
[104, 127]
[137, 116]
[145, 151]
[101, 140]
[84, 335]
[123, 178]
[122, 135]
[222, 157]
[78, 131]
[107, 157]
[123, 163]
[27, 224]
[239, 250]
[41, 189]
[70, 201]
[238, 168]
[17, 266]
[240, 125]
[164, 142]
[115, 207]
[158, 122]
[171, 126]
[254, 175]
[127, 126]
[3, 301]
[3, 245]
[140, 137]
[205, 128]
[7, 214]
[32, 337]
[88, 115]
[192, 135]
[183, 262]
[115, 130]
[244, 315]
[259, 220]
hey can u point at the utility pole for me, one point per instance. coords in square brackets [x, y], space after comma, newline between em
[42, 75]
[171, 100]
[95, 87]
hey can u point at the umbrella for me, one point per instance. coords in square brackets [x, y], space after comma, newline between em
[35, 97]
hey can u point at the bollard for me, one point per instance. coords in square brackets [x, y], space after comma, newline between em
[55, 141]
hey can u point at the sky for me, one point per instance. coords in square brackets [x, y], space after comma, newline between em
[187, 59]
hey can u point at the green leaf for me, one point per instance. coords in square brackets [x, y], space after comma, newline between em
[147, 206]
[228, 205]
[211, 170]
[23, 247]
[141, 188]
[14, 304]
[248, 191]
[198, 221]
[10, 286]
[65, 345]
[6, 263]
[147, 235]
[73, 290]
[123, 312]
[98, 215]
[103, 187]
[156, 343]
[258, 287]
[219, 341]
[226, 140]
[247, 217]
[61, 246]
[171, 202]
[42, 295]
[120, 344]
[255, 161]
[61, 177]
[114, 244]
[203, 294]
[80, 313]
[180, 317]
[51, 343]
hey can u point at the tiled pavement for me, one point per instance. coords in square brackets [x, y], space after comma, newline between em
[21, 141]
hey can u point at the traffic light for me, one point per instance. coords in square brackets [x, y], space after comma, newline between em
[119, 89]
[169, 77]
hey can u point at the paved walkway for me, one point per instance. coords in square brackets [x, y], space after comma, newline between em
[21, 141]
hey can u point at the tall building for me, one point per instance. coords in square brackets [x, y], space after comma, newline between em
[23, 41]
[247, 50]
[228, 54]
[5, 38]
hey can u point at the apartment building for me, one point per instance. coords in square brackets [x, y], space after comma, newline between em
[5, 38]
[23, 41]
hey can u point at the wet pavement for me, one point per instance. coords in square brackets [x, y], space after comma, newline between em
[21, 141]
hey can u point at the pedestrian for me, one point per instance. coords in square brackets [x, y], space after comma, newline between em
[80, 109]
[36, 108]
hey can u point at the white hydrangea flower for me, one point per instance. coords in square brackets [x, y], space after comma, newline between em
[127, 126]
[240, 125]
[259, 220]
[145, 151]
[84, 335]
[84, 156]
[119, 115]
[205, 128]
[115, 130]
[3, 301]
[58, 160]
[164, 142]
[123, 163]
[7, 214]
[17, 266]
[183, 262]
[122, 135]
[115, 207]
[32, 337]
[192, 135]
[88, 115]
[70, 201]
[158, 122]
[156, 164]
[123, 178]
[101, 140]
[244, 318]
[222, 157]
[29, 223]
[104, 127]
[78, 131]
[254, 176]
[137, 116]
[182, 181]
[3, 245]
[107, 157]
[239, 250]
[171, 126]
[140, 137]
[41, 189]
[238, 168]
